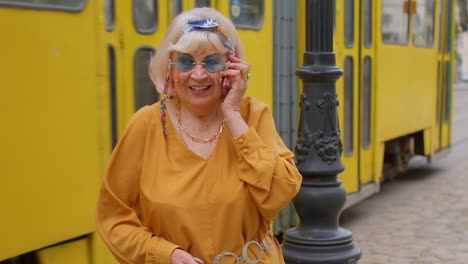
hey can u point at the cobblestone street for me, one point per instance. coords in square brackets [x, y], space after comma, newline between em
[422, 216]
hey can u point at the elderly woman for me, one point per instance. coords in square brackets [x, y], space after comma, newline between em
[199, 176]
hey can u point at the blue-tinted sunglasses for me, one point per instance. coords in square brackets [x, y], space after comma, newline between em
[213, 63]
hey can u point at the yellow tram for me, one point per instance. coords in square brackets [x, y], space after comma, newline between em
[74, 71]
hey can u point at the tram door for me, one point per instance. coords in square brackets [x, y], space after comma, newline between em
[444, 73]
[357, 54]
[133, 31]
[366, 93]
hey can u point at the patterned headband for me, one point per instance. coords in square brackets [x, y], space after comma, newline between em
[210, 24]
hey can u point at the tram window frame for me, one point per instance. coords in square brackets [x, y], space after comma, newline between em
[348, 81]
[113, 93]
[368, 23]
[136, 16]
[366, 136]
[429, 42]
[447, 87]
[385, 17]
[439, 92]
[241, 25]
[202, 3]
[109, 13]
[349, 23]
[177, 7]
[45, 6]
[441, 7]
[143, 87]
[334, 18]
[448, 23]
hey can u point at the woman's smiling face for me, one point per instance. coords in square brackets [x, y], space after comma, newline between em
[197, 77]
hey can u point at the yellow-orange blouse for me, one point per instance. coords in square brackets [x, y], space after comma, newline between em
[158, 195]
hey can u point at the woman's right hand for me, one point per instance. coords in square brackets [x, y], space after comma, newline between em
[180, 256]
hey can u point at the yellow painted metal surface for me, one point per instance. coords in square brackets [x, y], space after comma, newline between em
[367, 151]
[428, 141]
[350, 160]
[392, 81]
[74, 252]
[449, 59]
[126, 40]
[99, 253]
[405, 84]
[379, 161]
[50, 145]
[442, 132]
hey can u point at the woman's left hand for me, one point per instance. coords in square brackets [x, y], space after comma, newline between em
[234, 85]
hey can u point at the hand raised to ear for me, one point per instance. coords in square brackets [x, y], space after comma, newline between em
[235, 82]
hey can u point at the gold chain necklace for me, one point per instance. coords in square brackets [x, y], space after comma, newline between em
[192, 137]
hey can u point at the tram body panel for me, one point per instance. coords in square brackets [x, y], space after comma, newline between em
[347, 48]
[50, 147]
[446, 71]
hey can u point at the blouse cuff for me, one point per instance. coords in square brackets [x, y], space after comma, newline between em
[160, 251]
[247, 143]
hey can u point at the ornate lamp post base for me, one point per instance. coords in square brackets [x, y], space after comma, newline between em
[319, 238]
[317, 241]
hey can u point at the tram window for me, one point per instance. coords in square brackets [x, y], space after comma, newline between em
[202, 3]
[438, 93]
[334, 18]
[367, 103]
[348, 107]
[395, 21]
[66, 5]
[109, 12]
[144, 90]
[423, 23]
[367, 23]
[441, 7]
[145, 15]
[112, 94]
[176, 7]
[448, 24]
[247, 14]
[349, 23]
[447, 87]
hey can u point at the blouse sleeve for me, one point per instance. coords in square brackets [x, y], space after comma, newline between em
[266, 164]
[118, 211]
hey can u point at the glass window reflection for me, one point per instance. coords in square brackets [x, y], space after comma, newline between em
[423, 23]
[395, 21]
[247, 13]
[145, 15]
[47, 4]
[202, 3]
[144, 90]
[109, 12]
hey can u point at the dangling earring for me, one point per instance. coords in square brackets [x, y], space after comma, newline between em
[166, 95]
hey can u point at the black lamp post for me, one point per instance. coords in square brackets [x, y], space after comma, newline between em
[318, 238]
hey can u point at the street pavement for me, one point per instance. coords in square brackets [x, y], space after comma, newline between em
[420, 217]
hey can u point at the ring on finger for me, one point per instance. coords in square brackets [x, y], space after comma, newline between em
[245, 75]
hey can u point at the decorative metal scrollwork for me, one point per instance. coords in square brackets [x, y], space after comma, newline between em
[327, 140]
[304, 139]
